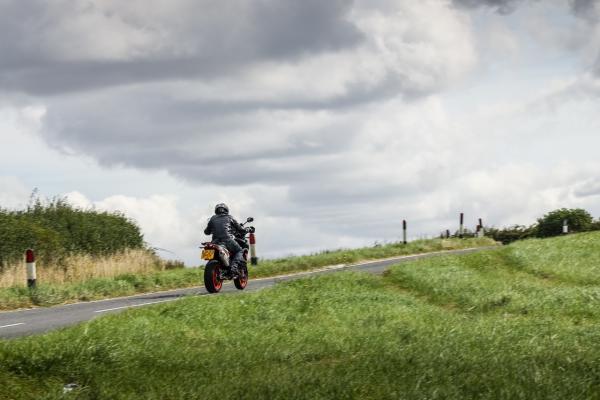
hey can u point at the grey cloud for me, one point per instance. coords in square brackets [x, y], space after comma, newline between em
[334, 156]
[193, 143]
[201, 115]
[588, 188]
[43, 51]
[501, 6]
[587, 9]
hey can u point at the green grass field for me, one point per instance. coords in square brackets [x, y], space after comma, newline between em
[518, 322]
[128, 284]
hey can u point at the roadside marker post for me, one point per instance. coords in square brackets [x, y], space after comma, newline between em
[404, 231]
[481, 232]
[565, 227]
[447, 233]
[253, 258]
[31, 271]
[462, 224]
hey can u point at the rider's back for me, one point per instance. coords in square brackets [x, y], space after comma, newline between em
[221, 227]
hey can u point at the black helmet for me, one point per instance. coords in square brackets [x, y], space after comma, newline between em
[221, 208]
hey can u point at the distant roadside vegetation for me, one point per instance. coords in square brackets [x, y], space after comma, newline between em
[551, 224]
[56, 229]
[72, 244]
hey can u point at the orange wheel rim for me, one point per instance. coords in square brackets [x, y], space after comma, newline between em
[215, 277]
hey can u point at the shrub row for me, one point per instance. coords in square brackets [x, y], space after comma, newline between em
[549, 225]
[55, 229]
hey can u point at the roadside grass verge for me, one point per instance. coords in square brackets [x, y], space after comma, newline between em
[142, 280]
[81, 267]
[572, 259]
[97, 288]
[530, 277]
[342, 336]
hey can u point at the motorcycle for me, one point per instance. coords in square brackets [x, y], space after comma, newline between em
[218, 269]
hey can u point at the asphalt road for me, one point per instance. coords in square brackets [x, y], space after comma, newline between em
[38, 320]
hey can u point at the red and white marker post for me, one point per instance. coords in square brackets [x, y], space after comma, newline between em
[461, 229]
[253, 258]
[480, 231]
[30, 265]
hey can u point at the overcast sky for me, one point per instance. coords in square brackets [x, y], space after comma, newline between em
[328, 121]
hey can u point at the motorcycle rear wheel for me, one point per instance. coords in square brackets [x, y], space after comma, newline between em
[212, 277]
[241, 281]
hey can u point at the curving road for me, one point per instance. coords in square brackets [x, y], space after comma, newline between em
[31, 321]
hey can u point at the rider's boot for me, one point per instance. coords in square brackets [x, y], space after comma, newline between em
[235, 273]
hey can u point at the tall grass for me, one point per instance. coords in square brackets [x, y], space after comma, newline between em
[16, 297]
[82, 267]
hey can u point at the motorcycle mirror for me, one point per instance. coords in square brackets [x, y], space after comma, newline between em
[252, 230]
[250, 219]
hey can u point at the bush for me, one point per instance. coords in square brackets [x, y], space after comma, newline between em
[511, 234]
[551, 224]
[56, 229]
[595, 226]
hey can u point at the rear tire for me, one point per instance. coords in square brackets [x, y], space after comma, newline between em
[242, 280]
[212, 277]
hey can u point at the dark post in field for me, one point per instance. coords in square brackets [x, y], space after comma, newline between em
[404, 231]
[447, 233]
[462, 225]
[30, 265]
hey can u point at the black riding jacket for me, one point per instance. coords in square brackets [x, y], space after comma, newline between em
[223, 227]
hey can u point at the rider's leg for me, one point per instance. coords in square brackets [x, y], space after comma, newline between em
[237, 255]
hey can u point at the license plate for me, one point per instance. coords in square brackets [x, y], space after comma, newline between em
[208, 254]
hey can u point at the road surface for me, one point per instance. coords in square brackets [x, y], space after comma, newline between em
[38, 320]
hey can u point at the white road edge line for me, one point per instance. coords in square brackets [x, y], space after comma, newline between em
[8, 326]
[135, 305]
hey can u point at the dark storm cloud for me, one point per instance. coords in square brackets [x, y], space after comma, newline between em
[47, 47]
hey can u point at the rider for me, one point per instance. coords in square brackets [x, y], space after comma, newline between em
[223, 227]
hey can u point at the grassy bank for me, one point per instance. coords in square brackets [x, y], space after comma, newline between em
[98, 288]
[141, 280]
[479, 326]
[559, 276]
